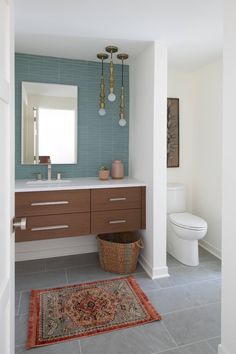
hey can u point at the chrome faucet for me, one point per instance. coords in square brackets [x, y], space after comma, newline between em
[49, 170]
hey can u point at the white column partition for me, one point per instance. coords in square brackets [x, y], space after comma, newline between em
[147, 148]
[228, 337]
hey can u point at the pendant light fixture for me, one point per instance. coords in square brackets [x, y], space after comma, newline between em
[122, 121]
[102, 111]
[111, 97]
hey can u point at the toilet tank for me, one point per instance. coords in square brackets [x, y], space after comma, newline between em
[176, 198]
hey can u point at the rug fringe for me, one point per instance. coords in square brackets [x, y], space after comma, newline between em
[33, 312]
[144, 299]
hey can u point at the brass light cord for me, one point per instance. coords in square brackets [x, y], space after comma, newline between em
[122, 94]
[111, 75]
[111, 49]
[102, 90]
[122, 121]
[102, 111]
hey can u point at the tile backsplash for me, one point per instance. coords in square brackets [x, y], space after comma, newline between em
[100, 139]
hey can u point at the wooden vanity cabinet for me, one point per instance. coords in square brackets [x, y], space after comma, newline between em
[117, 209]
[65, 213]
[53, 214]
[52, 202]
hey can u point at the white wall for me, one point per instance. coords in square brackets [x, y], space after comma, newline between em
[228, 337]
[200, 94]
[207, 152]
[148, 93]
[180, 85]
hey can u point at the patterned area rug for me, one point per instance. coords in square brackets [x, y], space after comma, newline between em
[87, 309]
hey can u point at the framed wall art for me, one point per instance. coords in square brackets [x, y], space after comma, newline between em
[172, 132]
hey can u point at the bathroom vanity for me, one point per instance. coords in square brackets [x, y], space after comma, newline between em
[78, 207]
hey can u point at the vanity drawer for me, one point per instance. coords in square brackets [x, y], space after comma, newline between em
[115, 221]
[52, 202]
[116, 198]
[54, 226]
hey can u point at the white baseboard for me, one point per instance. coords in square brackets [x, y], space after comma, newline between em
[55, 247]
[221, 350]
[213, 250]
[153, 273]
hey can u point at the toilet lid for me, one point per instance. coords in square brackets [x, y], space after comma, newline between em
[188, 221]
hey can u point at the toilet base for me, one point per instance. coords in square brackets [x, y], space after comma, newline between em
[185, 251]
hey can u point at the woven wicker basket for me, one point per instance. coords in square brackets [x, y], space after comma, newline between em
[118, 252]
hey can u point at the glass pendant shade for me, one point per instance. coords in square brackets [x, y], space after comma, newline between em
[102, 112]
[122, 122]
[111, 97]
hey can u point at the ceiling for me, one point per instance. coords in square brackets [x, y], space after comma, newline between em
[192, 29]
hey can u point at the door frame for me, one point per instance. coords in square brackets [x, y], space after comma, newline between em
[7, 178]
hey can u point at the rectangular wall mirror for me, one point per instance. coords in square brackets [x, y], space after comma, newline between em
[49, 123]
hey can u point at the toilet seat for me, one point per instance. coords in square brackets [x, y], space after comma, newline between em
[188, 221]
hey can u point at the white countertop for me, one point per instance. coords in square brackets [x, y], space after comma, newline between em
[23, 185]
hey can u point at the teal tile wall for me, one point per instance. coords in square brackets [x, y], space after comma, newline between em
[100, 139]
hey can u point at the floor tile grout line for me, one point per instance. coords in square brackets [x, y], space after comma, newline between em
[24, 290]
[18, 309]
[80, 349]
[201, 264]
[210, 345]
[186, 345]
[66, 274]
[72, 267]
[87, 265]
[36, 273]
[191, 308]
[189, 283]
[169, 334]
[165, 351]
[66, 267]
[183, 285]
[200, 341]
[45, 269]
[23, 314]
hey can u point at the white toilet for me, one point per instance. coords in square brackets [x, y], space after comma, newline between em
[183, 229]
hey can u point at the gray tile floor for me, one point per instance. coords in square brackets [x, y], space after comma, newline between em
[189, 301]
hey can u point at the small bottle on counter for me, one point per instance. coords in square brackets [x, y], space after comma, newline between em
[117, 170]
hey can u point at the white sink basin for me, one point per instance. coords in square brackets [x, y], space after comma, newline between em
[53, 182]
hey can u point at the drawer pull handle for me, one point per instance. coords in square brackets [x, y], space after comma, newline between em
[60, 202]
[117, 222]
[117, 199]
[44, 228]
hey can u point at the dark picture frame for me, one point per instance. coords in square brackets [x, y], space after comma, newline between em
[172, 132]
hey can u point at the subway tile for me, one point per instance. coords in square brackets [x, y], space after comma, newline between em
[102, 134]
